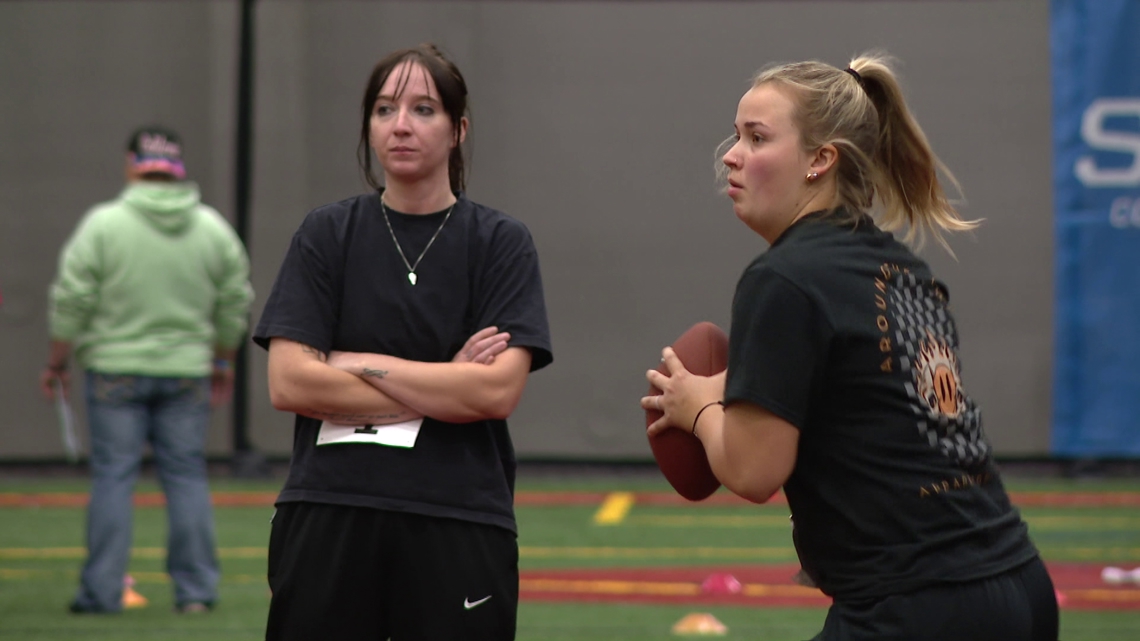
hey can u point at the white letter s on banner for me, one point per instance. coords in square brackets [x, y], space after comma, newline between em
[1097, 137]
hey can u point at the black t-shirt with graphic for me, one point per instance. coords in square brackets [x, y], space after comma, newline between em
[842, 331]
[343, 286]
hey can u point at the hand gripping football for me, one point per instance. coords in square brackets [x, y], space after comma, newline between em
[703, 350]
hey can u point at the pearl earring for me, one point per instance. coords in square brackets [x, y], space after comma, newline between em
[812, 176]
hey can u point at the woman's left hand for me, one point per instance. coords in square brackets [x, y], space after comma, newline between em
[684, 394]
[483, 346]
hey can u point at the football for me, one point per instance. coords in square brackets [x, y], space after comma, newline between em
[703, 350]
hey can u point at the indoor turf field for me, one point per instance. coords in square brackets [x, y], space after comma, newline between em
[603, 557]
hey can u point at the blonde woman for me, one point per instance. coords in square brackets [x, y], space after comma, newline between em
[843, 384]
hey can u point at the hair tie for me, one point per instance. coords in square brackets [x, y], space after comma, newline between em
[857, 77]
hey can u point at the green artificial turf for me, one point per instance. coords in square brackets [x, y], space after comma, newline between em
[41, 552]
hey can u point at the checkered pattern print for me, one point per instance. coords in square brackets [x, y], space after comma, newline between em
[927, 344]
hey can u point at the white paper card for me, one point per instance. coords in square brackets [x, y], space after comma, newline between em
[66, 423]
[394, 435]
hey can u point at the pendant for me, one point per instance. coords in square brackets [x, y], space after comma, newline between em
[412, 278]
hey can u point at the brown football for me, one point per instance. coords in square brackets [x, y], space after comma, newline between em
[703, 350]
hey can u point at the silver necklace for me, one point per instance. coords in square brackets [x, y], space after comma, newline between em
[412, 266]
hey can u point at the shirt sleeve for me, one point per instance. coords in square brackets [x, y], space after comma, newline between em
[304, 303]
[231, 281]
[777, 346]
[509, 292]
[75, 292]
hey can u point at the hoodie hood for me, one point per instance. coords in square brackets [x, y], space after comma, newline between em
[169, 206]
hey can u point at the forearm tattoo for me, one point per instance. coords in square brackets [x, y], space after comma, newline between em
[313, 350]
[374, 373]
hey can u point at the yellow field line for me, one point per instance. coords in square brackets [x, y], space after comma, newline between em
[568, 552]
[1082, 522]
[712, 521]
[1104, 595]
[609, 587]
[614, 508]
[42, 553]
[136, 553]
[1051, 523]
[13, 573]
[799, 591]
[750, 589]
[1089, 553]
[17, 574]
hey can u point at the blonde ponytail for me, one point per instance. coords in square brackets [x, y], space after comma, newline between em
[910, 193]
[885, 162]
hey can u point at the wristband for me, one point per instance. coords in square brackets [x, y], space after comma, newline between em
[697, 418]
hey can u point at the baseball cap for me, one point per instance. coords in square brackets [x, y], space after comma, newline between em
[157, 150]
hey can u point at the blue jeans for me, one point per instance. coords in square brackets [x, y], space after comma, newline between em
[172, 415]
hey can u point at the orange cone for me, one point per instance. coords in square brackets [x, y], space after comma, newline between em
[699, 624]
[132, 599]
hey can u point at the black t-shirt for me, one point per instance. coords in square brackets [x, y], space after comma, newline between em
[843, 332]
[343, 286]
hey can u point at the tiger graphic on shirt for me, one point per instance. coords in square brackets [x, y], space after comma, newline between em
[923, 341]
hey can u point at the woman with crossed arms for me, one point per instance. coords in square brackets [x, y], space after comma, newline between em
[401, 330]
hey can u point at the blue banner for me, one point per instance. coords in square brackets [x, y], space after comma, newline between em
[1096, 182]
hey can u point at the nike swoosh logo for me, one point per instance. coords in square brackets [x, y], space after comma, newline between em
[467, 605]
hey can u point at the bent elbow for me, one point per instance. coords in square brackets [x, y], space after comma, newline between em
[502, 404]
[500, 413]
[494, 406]
[281, 398]
[756, 490]
[760, 495]
[492, 410]
[280, 402]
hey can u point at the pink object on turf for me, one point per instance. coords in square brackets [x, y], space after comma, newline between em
[721, 583]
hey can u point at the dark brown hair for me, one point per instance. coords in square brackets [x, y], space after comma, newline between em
[452, 90]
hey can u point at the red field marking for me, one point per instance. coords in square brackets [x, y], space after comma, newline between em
[244, 499]
[718, 499]
[770, 586]
[764, 586]
[1083, 589]
[559, 498]
[539, 498]
[1075, 499]
[722, 498]
[1021, 499]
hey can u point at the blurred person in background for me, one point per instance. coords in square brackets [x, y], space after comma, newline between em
[152, 299]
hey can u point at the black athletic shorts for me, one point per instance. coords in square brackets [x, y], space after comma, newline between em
[1020, 605]
[349, 573]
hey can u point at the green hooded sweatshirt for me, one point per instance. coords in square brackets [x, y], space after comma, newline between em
[151, 283]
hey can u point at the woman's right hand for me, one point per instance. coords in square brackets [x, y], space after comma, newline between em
[48, 382]
[483, 346]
